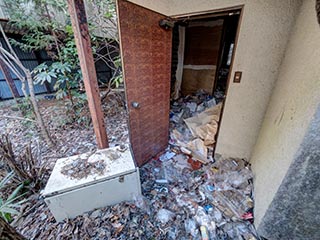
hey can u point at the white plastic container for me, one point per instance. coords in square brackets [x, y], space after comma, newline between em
[68, 198]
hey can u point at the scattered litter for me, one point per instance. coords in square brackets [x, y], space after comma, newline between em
[199, 150]
[166, 156]
[204, 233]
[180, 200]
[192, 106]
[142, 203]
[185, 151]
[194, 164]
[191, 227]
[194, 124]
[205, 124]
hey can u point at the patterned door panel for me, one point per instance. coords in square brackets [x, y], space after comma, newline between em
[146, 56]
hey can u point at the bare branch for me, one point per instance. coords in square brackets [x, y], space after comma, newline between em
[17, 118]
[8, 43]
[13, 58]
[11, 66]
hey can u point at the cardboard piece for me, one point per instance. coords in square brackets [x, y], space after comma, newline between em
[205, 124]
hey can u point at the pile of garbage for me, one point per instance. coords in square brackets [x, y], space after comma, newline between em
[194, 124]
[212, 202]
[177, 202]
[190, 193]
[186, 193]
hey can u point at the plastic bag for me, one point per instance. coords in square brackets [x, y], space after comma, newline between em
[231, 203]
[191, 227]
[141, 202]
[235, 179]
[164, 215]
[239, 230]
[203, 219]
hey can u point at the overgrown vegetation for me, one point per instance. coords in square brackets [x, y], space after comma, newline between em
[46, 26]
[11, 200]
[10, 205]
[28, 169]
[9, 57]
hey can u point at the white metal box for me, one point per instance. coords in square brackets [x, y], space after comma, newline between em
[68, 197]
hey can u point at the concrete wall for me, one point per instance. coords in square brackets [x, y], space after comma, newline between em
[294, 211]
[293, 103]
[263, 36]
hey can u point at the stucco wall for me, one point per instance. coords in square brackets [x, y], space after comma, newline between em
[160, 6]
[263, 36]
[293, 103]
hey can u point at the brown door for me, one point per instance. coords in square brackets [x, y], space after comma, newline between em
[146, 58]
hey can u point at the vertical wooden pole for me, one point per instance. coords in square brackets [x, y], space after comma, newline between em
[7, 75]
[82, 38]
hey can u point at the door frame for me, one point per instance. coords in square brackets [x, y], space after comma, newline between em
[216, 13]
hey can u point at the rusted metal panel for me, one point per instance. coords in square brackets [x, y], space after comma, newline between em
[146, 57]
[82, 38]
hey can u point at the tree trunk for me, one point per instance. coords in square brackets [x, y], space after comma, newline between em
[9, 80]
[12, 56]
[9, 233]
[44, 131]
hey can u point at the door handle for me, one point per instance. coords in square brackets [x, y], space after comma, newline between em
[135, 105]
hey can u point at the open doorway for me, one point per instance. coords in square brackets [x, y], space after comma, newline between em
[202, 51]
[172, 175]
[153, 49]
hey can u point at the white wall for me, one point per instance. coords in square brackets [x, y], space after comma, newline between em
[160, 6]
[293, 103]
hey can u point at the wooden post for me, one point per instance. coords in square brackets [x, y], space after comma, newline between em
[82, 38]
[7, 75]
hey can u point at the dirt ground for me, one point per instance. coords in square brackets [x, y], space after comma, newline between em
[70, 138]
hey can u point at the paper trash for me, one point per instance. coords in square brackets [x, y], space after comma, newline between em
[205, 124]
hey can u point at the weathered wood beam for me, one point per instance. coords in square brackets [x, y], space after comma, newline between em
[7, 75]
[83, 42]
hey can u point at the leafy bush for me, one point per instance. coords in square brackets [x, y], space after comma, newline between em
[9, 206]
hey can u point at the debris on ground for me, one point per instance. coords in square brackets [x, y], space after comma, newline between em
[82, 168]
[184, 205]
[185, 194]
[194, 123]
[71, 138]
[205, 124]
